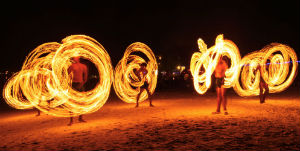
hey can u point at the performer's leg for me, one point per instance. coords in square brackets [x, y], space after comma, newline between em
[138, 97]
[71, 119]
[218, 101]
[266, 91]
[261, 93]
[38, 112]
[80, 119]
[224, 100]
[150, 99]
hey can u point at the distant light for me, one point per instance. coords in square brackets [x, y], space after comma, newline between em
[163, 72]
[180, 68]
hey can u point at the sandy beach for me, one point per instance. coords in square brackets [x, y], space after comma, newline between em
[179, 121]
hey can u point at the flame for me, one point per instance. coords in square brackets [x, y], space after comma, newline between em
[44, 82]
[126, 83]
[275, 60]
[242, 75]
[203, 63]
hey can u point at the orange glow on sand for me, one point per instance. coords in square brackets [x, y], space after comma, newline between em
[183, 119]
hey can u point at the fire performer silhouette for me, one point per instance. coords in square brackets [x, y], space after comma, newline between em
[79, 74]
[220, 75]
[263, 86]
[142, 73]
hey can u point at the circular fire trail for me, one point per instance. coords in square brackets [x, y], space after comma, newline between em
[44, 82]
[278, 64]
[275, 60]
[203, 63]
[126, 83]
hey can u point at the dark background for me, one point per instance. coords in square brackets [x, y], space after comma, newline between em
[169, 28]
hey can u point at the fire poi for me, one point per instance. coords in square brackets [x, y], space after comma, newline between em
[126, 83]
[279, 69]
[44, 82]
[276, 60]
[203, 63]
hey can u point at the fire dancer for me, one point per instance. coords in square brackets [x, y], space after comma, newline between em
[142, 73]
[220, 75]
[80, 74]
[263, 86]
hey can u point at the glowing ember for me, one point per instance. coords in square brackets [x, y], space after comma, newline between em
[44, 81]
[126, 83]
[275, 60]
[203, 63]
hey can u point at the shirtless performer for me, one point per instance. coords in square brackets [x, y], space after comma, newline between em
[79, 72]
[142, 73]
[220, 75]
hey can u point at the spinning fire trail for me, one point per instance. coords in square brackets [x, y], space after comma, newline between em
[126, 83]
[275, 71]
[203, 63]
[44, 82]
[243, 75]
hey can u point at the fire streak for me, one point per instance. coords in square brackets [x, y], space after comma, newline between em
[126, 83]
[243, 75]
[44, 81]
[275, 71]
[203, 63]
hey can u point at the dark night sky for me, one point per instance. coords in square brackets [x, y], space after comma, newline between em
[169, 29]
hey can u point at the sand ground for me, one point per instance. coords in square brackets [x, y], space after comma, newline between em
[179, 121]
